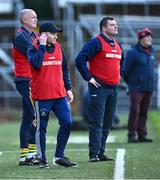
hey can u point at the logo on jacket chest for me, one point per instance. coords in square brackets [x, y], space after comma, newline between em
[48, 63]
[113, 55]
[51, 60]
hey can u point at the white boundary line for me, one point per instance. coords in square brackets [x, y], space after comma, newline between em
[78, 139]
[119, 166]
[67, 149]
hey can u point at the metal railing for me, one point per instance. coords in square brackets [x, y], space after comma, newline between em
[75, 33]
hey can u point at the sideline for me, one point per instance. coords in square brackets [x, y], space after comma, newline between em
[120, 163]
[68, 149]
[73, 139]
[78, 139]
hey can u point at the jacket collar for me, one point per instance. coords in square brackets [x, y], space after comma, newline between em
[141, 48]
[26, 30]
[110, 42]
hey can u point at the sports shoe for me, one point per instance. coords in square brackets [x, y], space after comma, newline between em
[29, 161]
[44, 164]
[64, 161]
[94, 159]
[103, 157]
[132, 139]
[144, 139]
[35, 160]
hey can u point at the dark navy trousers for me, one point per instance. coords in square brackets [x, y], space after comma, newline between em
[101, 111]
[27, 127]
[62, 110]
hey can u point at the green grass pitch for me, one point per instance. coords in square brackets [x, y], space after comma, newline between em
[141, 160]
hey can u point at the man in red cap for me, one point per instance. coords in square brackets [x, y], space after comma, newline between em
[139, 75]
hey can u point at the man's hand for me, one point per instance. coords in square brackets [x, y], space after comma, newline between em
[94, 82]
[43, 39]
[70, 95]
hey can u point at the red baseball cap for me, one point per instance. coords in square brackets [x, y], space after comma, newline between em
[144, 32]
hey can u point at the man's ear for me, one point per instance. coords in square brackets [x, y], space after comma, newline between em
[103, 28]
